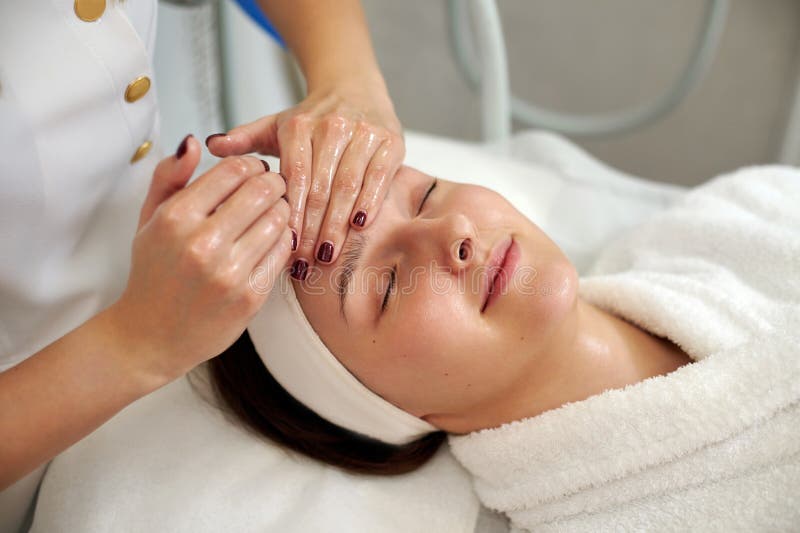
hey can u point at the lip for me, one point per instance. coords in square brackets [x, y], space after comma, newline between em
[499, 269]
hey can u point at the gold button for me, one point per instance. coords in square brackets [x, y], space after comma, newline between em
[137, 88]
[90, 10]
[141, 151]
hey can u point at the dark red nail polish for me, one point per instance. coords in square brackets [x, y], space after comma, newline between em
[325, 252]
[299, 269]
[215, 135]
[360, 218]
[181, 151]
[266, 166]
[294, 241]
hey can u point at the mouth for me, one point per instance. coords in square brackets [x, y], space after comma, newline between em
[498, 270]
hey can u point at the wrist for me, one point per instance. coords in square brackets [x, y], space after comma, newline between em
[369, 97]
[132, 351]
[348, 80]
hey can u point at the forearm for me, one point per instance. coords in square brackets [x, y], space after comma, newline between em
[64, 392]
[330, 39]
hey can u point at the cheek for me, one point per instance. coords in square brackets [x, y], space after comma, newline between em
[440, 349]
[417, 334]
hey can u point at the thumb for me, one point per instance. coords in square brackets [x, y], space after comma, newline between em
[259, 136]
[170, 176]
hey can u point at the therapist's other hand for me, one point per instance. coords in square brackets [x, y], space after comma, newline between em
[339, 150]
[190, 292]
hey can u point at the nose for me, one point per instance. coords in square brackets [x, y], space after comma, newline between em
[447, 242]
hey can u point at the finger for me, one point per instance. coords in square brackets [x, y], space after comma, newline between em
[170, 176]
[380, 172]
[208, 191]
[328, 142]
[268, 269]
[258, 136]
[294, 138]
[262, 235]
[346, 188]
[252, 199]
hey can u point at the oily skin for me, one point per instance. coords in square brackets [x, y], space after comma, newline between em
[434, 353]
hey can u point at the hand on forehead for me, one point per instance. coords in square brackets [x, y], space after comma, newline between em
[323, 279]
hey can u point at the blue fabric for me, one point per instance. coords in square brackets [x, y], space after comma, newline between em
[254, 12]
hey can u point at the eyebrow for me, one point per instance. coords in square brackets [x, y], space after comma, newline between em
[352, 253]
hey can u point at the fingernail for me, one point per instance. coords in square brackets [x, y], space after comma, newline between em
[213, 136]
[325, 252]
[266, 166]
[294, 241]
[181, 151]
[299, 269]
[360, 218]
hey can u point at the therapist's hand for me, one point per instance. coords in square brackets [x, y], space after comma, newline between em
[339, 149]
[204, 260]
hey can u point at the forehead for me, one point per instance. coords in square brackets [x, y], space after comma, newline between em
[321, 282]
[404, 183]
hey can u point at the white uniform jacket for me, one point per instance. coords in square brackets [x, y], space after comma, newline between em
[78, 144]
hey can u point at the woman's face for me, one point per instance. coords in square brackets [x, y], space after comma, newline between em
[436, 349]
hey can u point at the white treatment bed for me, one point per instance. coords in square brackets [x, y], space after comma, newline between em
[171, 462]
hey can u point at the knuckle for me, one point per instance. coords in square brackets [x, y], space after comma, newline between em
[170, 216]
[267, 186]
[284, 246]
[306, 242]
[298, 122]
[278, 183]
[337, 221]
[377, 170]
[224, 280]
[315, 204]
[297, 171]
[259, 184]
[235, 165]
[283, 208]
[280, 252]
[348, 185]
[280, 214]
[363, 128]
[250, 302]
[201, 248]
[227, 180]
[395, 143]
[335, 124]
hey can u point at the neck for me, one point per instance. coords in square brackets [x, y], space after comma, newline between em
[593, 352]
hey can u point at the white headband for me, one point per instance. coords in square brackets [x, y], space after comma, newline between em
[298, 360]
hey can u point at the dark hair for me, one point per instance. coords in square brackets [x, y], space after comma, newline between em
[243, 383]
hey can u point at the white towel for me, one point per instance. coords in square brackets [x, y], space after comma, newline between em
[714, 445]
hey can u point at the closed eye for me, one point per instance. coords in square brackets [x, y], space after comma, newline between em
[430, 190]
[393, 278]
[390, 289]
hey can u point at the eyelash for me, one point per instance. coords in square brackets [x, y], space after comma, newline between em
[394, 269]
[389, 290]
